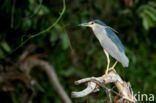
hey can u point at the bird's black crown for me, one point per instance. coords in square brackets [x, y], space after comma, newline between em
[99, 22]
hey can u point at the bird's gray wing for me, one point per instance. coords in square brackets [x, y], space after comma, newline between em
[113, 29]
[115, 39]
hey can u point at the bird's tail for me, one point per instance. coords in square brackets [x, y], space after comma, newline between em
[125, 61]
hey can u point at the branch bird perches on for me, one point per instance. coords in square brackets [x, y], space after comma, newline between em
[124, 88]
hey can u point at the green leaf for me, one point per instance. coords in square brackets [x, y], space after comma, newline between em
[65, 40]
[43, 10]
[148, 15]
[151, 11]
[6, 47]
[53, 37]
[151, 15]
[26, 25]
[1, 54]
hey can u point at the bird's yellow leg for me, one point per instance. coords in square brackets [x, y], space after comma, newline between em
[108, 62]
[113, 67]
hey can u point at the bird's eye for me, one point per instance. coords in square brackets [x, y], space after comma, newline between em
[91, 23]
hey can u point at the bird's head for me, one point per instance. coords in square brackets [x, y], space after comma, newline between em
[93, 23]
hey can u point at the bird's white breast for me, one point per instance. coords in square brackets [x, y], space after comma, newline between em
[100, 33]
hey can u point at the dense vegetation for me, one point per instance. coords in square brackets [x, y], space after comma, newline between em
[74, 51]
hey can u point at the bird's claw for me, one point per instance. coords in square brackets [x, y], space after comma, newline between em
[110, 69]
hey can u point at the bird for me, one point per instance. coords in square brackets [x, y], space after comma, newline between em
[109, 41]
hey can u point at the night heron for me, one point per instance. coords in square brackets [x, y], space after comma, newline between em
[109, 41]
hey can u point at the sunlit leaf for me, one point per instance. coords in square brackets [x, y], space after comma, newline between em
[43, 10]
[65, 41]
[53, 37]
[148, 15]
[6, 47]
[151, 15]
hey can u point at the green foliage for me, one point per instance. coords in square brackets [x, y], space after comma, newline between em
[148, 14]
[4, 49]
[59, 33]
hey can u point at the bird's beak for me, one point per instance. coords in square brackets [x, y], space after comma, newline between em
[83, 24]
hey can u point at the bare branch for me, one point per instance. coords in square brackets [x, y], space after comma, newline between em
[91, 87]
[49, 70]
[112, 77]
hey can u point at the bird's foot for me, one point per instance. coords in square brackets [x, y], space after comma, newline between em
[112, 69]
[109, 69]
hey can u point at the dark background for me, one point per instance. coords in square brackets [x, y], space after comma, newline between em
[74, 51]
